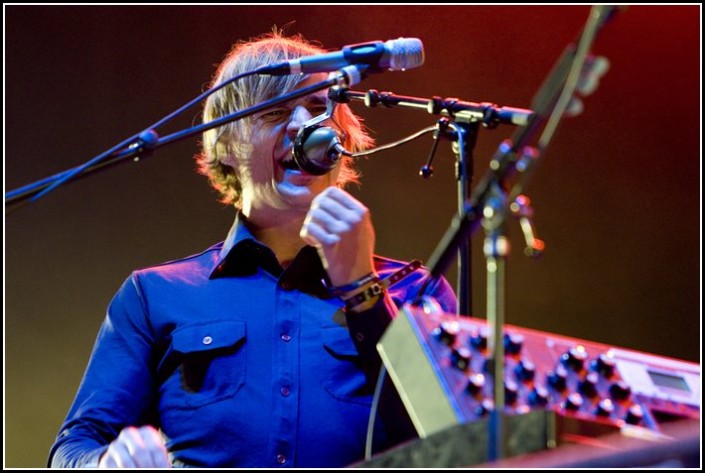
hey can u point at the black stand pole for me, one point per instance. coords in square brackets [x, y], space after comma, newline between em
[489, 200]
[496, 250]
[463, 148]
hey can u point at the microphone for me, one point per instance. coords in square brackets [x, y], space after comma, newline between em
[394, 55]
[317, 149]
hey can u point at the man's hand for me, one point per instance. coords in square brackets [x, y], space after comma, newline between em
[339, 226]
[136, 447]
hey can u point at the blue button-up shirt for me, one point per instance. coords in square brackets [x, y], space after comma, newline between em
[239, 362]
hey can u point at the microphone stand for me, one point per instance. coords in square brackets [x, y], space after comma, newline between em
[464, 123]
[466, 138]
[149, 140]
[490, 201]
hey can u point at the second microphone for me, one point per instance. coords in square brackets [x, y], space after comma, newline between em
[317, 149]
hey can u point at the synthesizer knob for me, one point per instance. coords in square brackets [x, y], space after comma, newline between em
[620, 391]
[604, 408]
[538, 396]
[574, 359]
[511, 392]
[447, 332]
[460, 358]
[476, 384]
[573, 402]
[484, 408]
[513, 343]
[557, 379]
[635, 414]
[603, 365]
[478, 340]
[588, 385]
[525, 371]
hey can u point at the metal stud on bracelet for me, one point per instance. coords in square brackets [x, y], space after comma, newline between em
[373, 291]
[338, 291]
[378, 286]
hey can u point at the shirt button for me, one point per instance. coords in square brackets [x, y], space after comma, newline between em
[286, 337]
[359, 337]
[207, 340]
[285, 392]
[281, 459]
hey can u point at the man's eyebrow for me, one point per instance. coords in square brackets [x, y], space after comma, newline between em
[316, 99]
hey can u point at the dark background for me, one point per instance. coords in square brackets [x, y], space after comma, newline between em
[617, 195]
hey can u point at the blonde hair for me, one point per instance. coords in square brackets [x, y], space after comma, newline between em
[221, 142]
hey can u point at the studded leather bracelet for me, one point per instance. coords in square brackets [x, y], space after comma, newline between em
[338, 291]
[379, 286]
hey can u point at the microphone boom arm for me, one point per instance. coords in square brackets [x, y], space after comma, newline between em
[466, 112]
[149, 140]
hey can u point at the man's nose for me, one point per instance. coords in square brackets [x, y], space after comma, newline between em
[299, 116]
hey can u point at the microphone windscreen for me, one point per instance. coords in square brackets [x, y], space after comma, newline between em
[404, 53]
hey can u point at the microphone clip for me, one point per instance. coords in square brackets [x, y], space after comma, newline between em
[317, 148]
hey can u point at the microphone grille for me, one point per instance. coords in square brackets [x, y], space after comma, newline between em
[405, 53]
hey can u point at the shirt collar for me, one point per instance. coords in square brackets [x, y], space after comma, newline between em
[242, 254]
[237, 233]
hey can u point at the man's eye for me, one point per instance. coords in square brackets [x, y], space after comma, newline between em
[315, 111]
[275, 114]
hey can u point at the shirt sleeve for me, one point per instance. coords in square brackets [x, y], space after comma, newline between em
[366, 329]
[118, 385]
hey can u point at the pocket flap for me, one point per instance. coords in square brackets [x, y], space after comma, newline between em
[211, 336]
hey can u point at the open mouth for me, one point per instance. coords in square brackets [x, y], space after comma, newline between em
[288, 164]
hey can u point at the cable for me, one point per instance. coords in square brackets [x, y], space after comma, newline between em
[395, 143]
[373, 413]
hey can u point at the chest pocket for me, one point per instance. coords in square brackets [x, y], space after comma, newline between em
[344, 378]
[204, 364]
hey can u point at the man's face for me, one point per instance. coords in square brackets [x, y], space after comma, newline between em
[265, 168]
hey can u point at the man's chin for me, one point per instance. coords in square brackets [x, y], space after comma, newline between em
[295, 195]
